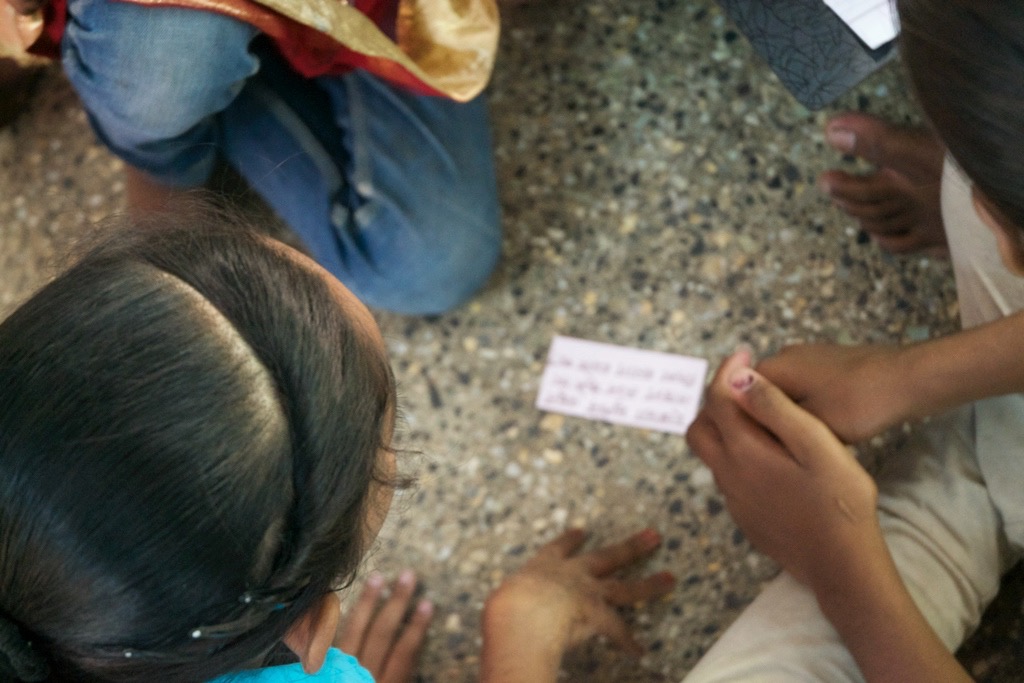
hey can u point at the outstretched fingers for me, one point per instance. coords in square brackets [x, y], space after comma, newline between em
[616, 556]
[628, 592]
[401, 660]
[565, 545]
[383, 631]
[350, 638]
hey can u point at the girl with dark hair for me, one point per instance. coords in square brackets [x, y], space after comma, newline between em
[885, 576]
[194, 455]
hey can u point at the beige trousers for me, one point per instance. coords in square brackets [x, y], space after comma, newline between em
[943, 498]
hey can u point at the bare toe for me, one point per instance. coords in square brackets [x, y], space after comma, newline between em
[897, 204]
[915, 152]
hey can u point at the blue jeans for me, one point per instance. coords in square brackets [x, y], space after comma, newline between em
[393, 192]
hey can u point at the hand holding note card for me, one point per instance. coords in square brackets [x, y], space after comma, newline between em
[618, 384]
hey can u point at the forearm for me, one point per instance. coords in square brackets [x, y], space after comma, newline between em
[970, 365]
[882, 627]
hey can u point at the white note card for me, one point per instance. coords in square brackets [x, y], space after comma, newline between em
[874, 21]
[647, 389]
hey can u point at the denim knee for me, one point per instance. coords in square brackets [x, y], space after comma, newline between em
[153, 78]
[442, 261]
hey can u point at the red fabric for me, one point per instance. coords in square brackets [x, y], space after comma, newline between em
[55, 18]
[309, 52]
[384, 13]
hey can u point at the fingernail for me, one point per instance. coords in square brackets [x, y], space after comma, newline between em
[742, 379]
[842, 139]
[824, 186]
[649, 539]
[425, 607]
[744, 347]
[375, 580]
[407, 578]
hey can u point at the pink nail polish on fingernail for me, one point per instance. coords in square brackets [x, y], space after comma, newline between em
[426, 608]
[407, 577]
[375, 580]
[741, 380]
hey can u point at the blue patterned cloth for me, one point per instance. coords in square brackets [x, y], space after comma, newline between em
[339, 668]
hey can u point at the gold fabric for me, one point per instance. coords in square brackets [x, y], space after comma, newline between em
[448, 44]
[454, 42]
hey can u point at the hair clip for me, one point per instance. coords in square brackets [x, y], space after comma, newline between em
[255, 607]
[245, 622]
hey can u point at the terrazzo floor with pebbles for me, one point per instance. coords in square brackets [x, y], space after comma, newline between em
[658, 189]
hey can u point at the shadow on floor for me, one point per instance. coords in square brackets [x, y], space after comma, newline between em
[995, 653]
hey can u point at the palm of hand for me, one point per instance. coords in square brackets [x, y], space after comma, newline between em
[562, 597]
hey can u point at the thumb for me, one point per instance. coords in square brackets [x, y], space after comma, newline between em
[804, 435]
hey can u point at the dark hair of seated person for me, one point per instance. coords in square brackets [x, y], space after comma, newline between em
[189, 431]
[965, 59]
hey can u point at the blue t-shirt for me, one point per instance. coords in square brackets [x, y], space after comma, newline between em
[338, 668]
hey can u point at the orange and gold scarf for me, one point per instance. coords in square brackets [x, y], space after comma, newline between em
[437, 47]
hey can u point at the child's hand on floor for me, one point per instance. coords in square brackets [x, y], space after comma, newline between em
[794, 489]
[858, 391]
[378, 633]
[561, 598]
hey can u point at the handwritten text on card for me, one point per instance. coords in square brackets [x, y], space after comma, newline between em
[619, 384]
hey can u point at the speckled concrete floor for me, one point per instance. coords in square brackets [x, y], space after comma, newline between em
[658, 191]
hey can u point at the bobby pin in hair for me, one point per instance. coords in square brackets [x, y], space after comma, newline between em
[258, 607]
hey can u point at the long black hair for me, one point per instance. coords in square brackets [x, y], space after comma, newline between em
[190, 428]
[966, 61]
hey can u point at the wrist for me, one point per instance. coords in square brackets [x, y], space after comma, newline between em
[934, 373]
[906, 372]
[522, 641]
[890, 374]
